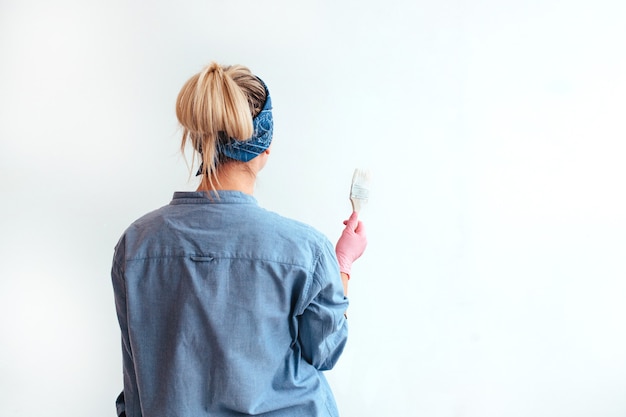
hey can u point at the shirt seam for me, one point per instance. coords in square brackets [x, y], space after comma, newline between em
[200, 201]
[188, 255]
[304, 300]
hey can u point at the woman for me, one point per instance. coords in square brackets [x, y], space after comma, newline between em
[227, 309]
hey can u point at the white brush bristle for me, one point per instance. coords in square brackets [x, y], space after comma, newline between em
[360, 189]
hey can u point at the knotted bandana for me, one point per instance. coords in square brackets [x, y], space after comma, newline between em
[263, 123]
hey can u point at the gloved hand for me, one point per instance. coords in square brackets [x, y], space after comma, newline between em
[351, 244]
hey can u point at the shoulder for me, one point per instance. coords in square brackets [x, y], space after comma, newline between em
[272, 236]
[150, 220]
[291, 229]
[142, 228]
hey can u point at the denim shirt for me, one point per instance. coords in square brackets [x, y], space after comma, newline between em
[226, 309]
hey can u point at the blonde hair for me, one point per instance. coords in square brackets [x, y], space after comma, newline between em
[214, 105]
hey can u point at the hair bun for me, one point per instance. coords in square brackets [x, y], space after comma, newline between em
[215, 67]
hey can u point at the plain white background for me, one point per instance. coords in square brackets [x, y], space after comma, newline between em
[493, 285]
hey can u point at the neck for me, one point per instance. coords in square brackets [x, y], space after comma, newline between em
[231, 177]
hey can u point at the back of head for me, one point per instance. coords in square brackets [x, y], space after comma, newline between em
[217, 105]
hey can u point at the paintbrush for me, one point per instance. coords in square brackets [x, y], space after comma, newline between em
[360, 189]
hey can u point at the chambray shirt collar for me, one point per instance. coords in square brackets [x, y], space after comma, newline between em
[223, 197]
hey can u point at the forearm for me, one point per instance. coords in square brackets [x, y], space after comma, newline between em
[350, 247]
[344, 280]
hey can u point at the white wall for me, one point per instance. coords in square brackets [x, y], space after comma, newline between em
[493, 285]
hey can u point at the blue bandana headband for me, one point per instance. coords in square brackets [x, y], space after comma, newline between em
[263, 123]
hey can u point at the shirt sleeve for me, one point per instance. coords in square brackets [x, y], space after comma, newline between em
[120, 406]
[129, 394]
[323, 328]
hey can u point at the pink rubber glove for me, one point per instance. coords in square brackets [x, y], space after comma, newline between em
[351, 244]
